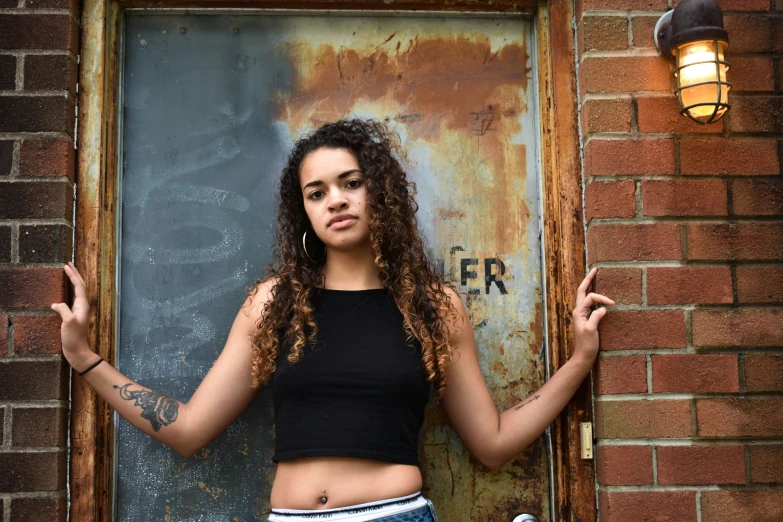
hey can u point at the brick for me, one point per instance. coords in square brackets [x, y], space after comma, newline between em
[691, 373]
[625, 5]
[6, 157]
[647, 506]
[777, 30]
[764, 505]
[701, 465]
[642, 419]
[642, 329]
[745, 327]
[757, 114]
[751, 74]
[780, 62]
[735, 241]
[662, 115]
[689, 285]
[629, 157]
[599, 115]
[36, 114]
[7, 73]
[39, 427]
[760, 284]
[39, 31]
[764, 372]
[37, 334]
[610, 199]
[757, 197]
[749, 33]
[621, 375]
[624, 74]
[605, 33]
[50, 73]
[39, 509]
[4, 325]
[73, 5]
[22, 200]
[624, 465]
[745, 417]
[623, 285]
[742, 5]
[5, 244]
[684, 197]
[32, 472]
[643, 28]
[766, 464]
[643, 242]
[729, 156]
[33, 380]
[45, 243]
[46, 157]
[32, 287]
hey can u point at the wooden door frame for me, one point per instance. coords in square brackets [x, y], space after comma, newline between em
[92, 431]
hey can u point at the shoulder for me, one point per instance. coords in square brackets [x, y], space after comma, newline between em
[452, 296]
[457, 318]
[258, 297]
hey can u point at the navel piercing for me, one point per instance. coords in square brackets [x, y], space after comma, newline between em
[323, 498]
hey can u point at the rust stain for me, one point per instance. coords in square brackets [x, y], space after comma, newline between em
[465, 88]
[536, 327]
[444, 213]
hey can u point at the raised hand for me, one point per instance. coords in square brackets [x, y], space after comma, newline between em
[586, 321]
[73, 331]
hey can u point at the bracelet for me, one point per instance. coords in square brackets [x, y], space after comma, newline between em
[99, 361]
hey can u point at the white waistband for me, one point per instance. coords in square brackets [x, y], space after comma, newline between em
[355, 513]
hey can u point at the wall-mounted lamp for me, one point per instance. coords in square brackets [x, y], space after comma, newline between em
[693, 32]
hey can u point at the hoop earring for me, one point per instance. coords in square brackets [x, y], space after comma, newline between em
[304, 246]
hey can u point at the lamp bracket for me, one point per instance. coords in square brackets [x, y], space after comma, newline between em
[663, 33]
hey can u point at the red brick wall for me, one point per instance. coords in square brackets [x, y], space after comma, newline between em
[686, 225]
[38, 49]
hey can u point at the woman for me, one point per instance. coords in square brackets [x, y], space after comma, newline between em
[350, 274]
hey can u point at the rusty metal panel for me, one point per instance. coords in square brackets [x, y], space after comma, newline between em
[212, 105]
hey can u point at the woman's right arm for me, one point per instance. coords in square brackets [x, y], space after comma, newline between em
[185, 427]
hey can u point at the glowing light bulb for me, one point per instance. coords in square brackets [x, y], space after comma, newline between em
[698, 64]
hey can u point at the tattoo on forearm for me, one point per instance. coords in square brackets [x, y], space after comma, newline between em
[526, 403]
[160, 410]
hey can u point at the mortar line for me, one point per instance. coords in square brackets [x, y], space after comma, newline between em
[14, 243]
[19, 83]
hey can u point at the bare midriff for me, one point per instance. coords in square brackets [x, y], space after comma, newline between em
[343, 481]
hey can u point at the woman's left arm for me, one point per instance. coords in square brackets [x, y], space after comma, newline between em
[494, 438]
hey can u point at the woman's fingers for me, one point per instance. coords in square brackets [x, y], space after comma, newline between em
[63, 310]
[584, 285]
[80, 289]
[595, 318]
[593, 299]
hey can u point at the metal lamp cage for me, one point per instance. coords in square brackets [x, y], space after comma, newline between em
[719, 107]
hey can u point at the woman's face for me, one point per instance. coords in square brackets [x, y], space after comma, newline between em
[335, 198]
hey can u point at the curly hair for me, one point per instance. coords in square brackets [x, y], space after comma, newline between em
[396, 245]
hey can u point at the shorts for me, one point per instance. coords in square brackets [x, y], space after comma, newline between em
[410, 508]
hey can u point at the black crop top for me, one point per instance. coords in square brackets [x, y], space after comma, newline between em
[359, 391]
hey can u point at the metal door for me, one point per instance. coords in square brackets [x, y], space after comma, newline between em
[212, 103]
